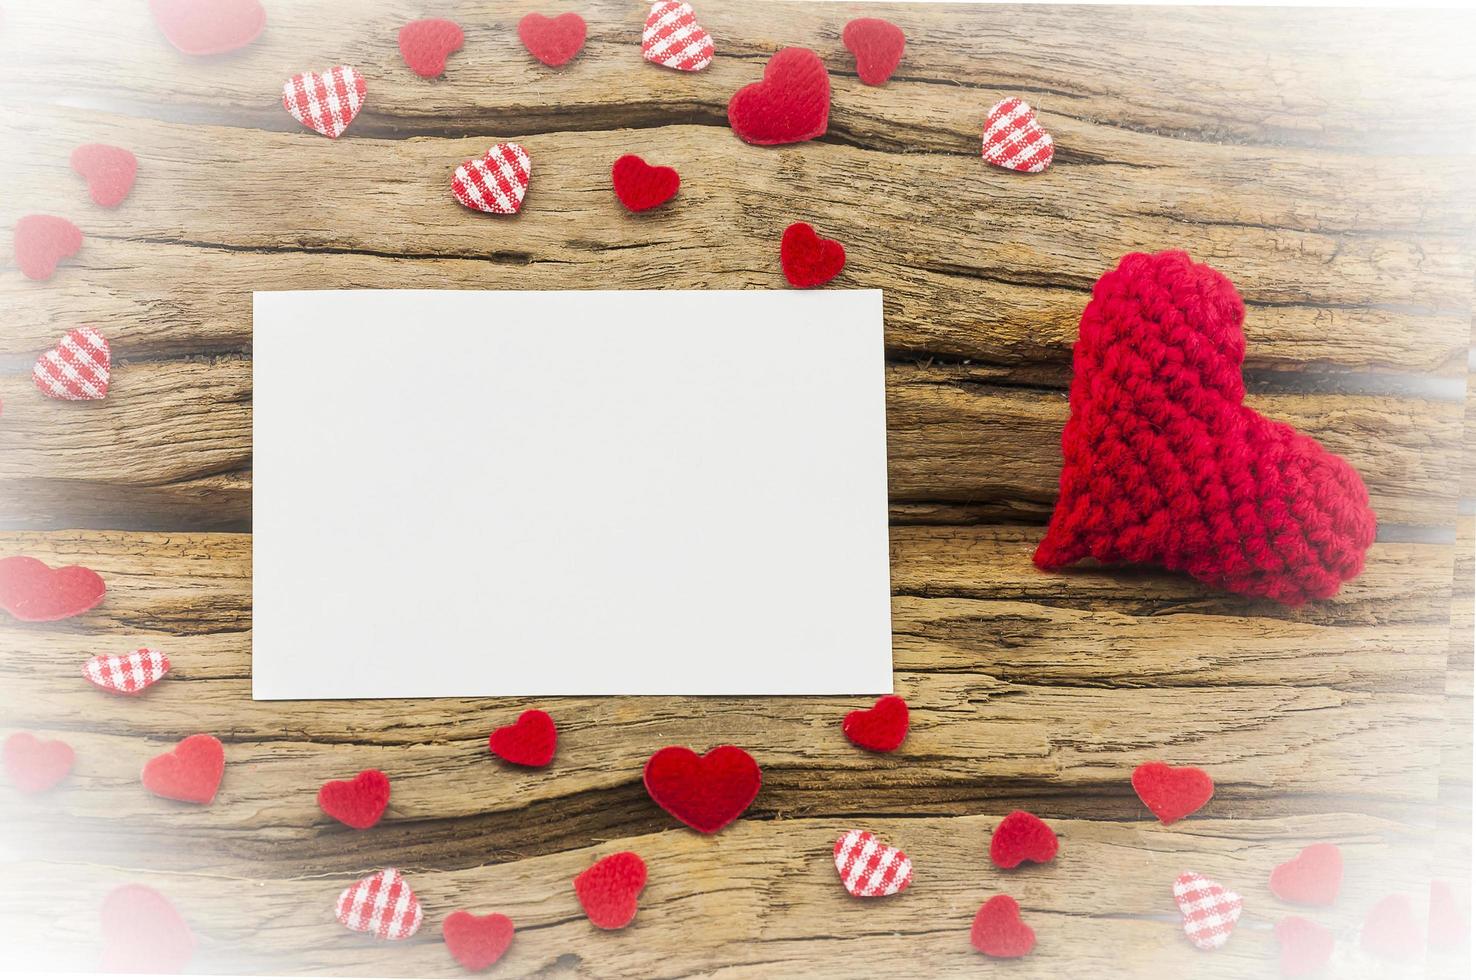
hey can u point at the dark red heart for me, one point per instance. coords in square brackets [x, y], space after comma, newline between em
[1391, 930]
[358, 802]
[33, 592]
[999, 931]
[641, 186]
[190, 772]
[43, 240]
[552, 40]
[1305, 946]
[425, 44]
[1313, 877]
[477, 941]
[108, 170]
[530, 741]
[1448, 927]
[143, 933]
[791, 104]
[1021, 837]
[877, 44]
[609, 888]
[1172, 792]
[209, 26]
[809, 260]
[33, 765]
[705, 792]
[880, 728]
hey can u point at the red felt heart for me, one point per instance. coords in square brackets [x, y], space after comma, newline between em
[1313, 877]
[1172, 792]
[33, 765]
[1448, 927]
[998, 930]
[425, 44]
[33, 592]
[705, 792]
[877, 45]
[1021, 837]
[190, 772]
[358, 802]
[880, 728]
[608, 889]
[108, 170]
[43, 240]
[530, 741]
[641, 186]
[809, 260]
[143, 933]
[791, 104]
[209, 26]
[477, 941]
[1305, 946]
[1391, 930]
[552, 40]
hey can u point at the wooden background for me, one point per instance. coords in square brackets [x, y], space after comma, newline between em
[1321, 159]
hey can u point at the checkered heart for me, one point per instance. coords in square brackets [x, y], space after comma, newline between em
[1210, 910]
[77, 368]
[1015, 140]
[382, 904]
[496, 183]
[868, 868]
[326, 103]
[673, 37]
[128, 674]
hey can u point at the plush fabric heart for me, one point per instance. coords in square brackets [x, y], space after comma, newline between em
[1022, 836]
[33, 765]
[477, 941]
[358, 802]
[1391, 930]
[1448, 927]
[609, 888]
[999, 931]
[131, 673]
[108, 170]
[1172, 792]
[189, 772]
[209, 26]
[142, 932]
[673, 38]
[881, 727]
[530, 741]
[807, 259]
[552, 40]
[496, 183]
[868, 868]
[382, 904]
[790, 105]
[1210, 910]
[1305, 946]
[641, 186]
[34, 592]
[1015, 140]
[1164, 464]
[1313, 877]
[325, 103]
[877, 44]
[705, 792]
[77, 369]
[426, 44]
[43, 240]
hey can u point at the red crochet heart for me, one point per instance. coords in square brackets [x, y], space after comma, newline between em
[108, 170]
[552, 40]
[477, 941]
[1021, 837]
[530, 741]
[1172, 792]
[880, 728]
[641, 186]
[809, 260]
[877, 44]
[791, 104]
[1313, 877]
[1305, 946]
[209, 26]
[190, 772]
[705, 792]
[358, 802]
[43, 240]
[33, 592]
[33, 765]
[143, 933]
[998, 930]
[1391, 930]
[1164, 464]
[425, 44]
[608, 889]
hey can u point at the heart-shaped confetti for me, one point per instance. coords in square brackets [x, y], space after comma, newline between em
[608, 889]
[705, 792]
[880, 728]
[1210, 910]
[673, 38]
[108, 170]
[382, 904]
[142, 932]
[34, 765]
[477, 941]
[999, 931]
[34, 592]
[43, 240]
[790, 105]
[1305, 946]
[1391, 930]
[325, 103]
[209, 26]
[426, 44]
[1022, 836]
[1313, 877]
[530, 741]
[1448, 927]
[77, 369]
[357, 802]
[190, 772]
[868, 868]
[877, 44]
[1015, 140]
[496, 183]
[641, 186]
[129, 673]
[1172, 792]
[552, 40]
[807, 259]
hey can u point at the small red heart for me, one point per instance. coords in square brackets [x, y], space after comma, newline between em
[108, 170]
[1172, 792]
[608, 889]
[43, 240]
[880, 728]
[143, 933]
[705, 792]
[35, 766]
[1448, 927]
[998, 930]
[209, 26]
[641, 186]
[809, 260]
[33, 592]
[1391, 929]
[790, 105]
[77, 369]
[477, 941]
[1021, 837]
[1305, 946]
[425, 44]
[877, 45]
[358, 802]
[1313, 877]
[552, 40]
[530, 741]
[190, 772]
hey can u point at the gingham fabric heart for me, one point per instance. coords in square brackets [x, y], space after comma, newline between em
[673, 37]
[326, 103]
[1210, 910]
[868, 868]
[77, 368]
[1015, 140]
[126, 674]
[382, 904]
[497, 182]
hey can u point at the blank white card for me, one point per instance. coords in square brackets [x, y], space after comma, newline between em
[541, 493]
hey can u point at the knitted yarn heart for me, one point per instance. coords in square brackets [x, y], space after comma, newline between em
[790, 105]
[382, 904]
[1172, 792]
[1015, 140]
[1210, 910]
[807, 259]
[34, 592]
[496, 183]
[999, 931]
[129, 673]
[1313, 877]
[477, 941]
[1164, 463]
[1022, 836]
[33, 765]
[325, 103]
[208, 26]
[673, 38]
[43, 240]
[877, 44]
[641, 186]
[77, 369]
[425, 44]
[190, 772]
[552, 40]
[108, 170]
[357, 802]
[705, 792]
[142, 932]
[1305, 946]
[880, 728]
[530, 741]
[608, 889]
[868, 868]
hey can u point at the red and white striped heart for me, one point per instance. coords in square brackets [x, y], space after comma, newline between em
[382, 904]
[868, 868]
[496, 183]
[673, 37]
[1015, 140]
[77, 369]
[130, 673]
[1210, 910]
[325, 103]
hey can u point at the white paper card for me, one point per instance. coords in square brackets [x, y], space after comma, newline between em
[540, 493]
